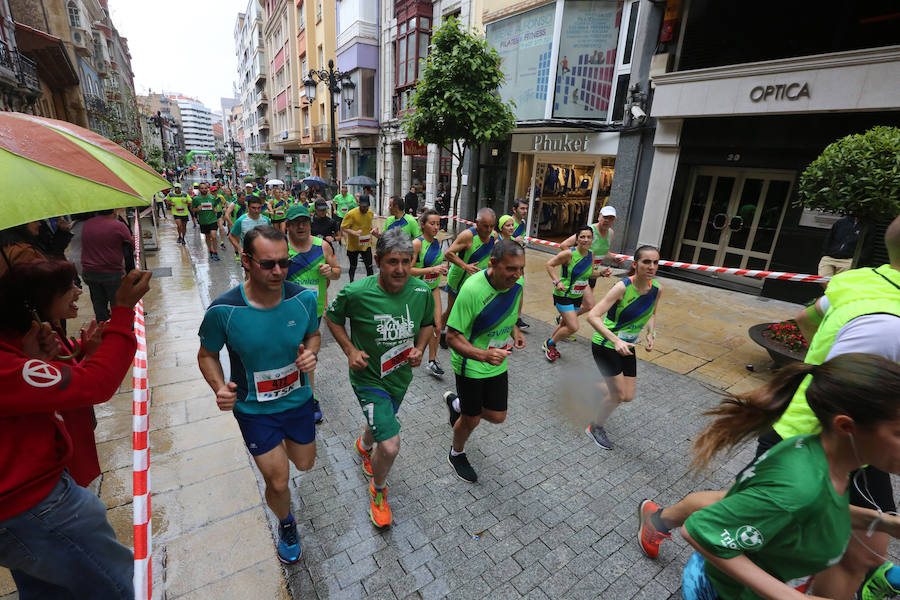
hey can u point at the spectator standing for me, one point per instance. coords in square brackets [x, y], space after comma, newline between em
[411, 201]
[442, 204]
[104, 243]
[839, 246]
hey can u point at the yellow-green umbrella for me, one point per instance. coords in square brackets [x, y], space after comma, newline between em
[51, 168]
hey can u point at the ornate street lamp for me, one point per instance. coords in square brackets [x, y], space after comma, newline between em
[337, 82]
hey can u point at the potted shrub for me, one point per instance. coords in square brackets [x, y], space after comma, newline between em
[783, 341]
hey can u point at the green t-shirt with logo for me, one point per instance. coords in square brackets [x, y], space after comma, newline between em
[406, 223]
[343, 203]
[206, 208]
[384, 326]
[783, 514]
[486, 317]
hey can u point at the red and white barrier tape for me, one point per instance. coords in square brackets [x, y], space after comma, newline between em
[695, 267]
[143, 579]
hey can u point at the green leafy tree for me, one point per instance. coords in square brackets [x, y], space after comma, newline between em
[154, 158]
[457, 103]
[857, 175]
[260, 164]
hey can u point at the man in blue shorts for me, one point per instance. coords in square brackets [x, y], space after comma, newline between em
[271, 330]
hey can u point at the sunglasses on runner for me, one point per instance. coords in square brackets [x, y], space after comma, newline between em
[269, 264]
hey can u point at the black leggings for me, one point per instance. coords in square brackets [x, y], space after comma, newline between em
[353, 256]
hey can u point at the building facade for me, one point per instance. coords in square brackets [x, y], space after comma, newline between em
[253, 71]
[196, 124]
[357, 55]
[20, 86]
[737, 122]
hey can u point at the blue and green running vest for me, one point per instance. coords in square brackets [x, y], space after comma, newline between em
[628, 316]
[304, 271]
[479, 253]
[429, 256]
[576, 274]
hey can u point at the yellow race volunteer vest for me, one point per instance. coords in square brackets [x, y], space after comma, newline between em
[850, 294]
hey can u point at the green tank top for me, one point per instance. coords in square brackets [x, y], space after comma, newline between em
[479, 254]
[180, 205]
[430, 255]
[600, 246]
[851, 294]
[575, 275]
[628, 316]
[304, 271]
[279, 210]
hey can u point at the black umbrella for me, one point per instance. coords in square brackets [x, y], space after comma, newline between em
[315, 181]
[360, 180]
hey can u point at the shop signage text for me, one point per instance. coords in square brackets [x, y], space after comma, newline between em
[782, 91]
[414, 148]
[559, 142]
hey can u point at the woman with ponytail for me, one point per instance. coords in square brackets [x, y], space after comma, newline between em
[788, 516]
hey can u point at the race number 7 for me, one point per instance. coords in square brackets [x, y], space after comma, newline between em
[369, 409]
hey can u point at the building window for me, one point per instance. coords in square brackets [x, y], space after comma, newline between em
[413, 38]
[364, 106]
[321, 56]
[305, 122]
[301, 17]
[74, 14]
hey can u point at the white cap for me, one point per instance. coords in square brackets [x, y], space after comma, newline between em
[608, 211]
[248, 185]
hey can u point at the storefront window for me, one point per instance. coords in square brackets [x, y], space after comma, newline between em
[587, 58]
[563, 192]
[523, 42]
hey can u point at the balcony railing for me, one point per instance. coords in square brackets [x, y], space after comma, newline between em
[6, 57]
[320, 132]
[27, 72]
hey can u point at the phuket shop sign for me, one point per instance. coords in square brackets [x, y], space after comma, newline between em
[572, 142]
[781, 91]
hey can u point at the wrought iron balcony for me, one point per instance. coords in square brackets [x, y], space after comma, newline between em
[27, 72]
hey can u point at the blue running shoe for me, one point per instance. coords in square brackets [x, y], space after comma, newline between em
[289, 550]
[317, 411]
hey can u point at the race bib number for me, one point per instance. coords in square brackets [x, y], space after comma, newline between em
[597, 262]
[276, 383]
[578, 288]
[279, 212]
[631, 338]
[206, 206]
[497, 344]
[395, 358]
[364, 240]
[431, 277]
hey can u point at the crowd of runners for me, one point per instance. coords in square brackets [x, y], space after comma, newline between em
[812, 515]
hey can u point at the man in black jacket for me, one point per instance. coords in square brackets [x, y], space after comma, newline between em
[324, 226]
[839, 246]
[411, 202]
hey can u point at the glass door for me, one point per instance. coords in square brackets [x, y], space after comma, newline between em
[733, 218]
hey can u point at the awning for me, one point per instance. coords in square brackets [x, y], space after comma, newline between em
[54, 64]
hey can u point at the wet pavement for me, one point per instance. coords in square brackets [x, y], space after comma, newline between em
[551, 515]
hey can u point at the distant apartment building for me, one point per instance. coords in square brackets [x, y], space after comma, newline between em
[196, 123]
[252, 76]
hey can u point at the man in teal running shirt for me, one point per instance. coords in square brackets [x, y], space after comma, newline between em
[481, 321]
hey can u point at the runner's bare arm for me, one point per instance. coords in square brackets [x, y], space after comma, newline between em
[330, 269]
[809, 319]
[415, 355]
[562, 258]
[462, 242]
[651, 323]
[458, 342]
[235, 242]
[743, 570]
[211, 368]
[357, 359]
[863, 518]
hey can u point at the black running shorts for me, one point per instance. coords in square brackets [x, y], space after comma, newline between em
[209, 227]
[611, 363]
[477, 394]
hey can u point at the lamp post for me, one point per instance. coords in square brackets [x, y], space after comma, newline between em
[336, 81]
[160, 121]
[235, 148]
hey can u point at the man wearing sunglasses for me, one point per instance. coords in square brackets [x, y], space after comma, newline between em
[272, 332]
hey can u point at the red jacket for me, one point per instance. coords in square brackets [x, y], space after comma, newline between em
[35, 446]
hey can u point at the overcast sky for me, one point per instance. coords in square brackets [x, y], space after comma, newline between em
[184, 46]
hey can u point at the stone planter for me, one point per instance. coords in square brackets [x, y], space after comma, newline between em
[778, 351]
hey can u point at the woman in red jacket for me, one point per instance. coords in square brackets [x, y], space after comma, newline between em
[54, 535]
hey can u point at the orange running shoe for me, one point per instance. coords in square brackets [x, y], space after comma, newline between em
[379, 510]
[649, 537]
[366, 456]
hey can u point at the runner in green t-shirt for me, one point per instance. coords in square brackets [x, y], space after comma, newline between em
[343, 202]
[391, 320]
[313, 266]
[480, 323]
[400, 219]
[204, 207]
[788, 515]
